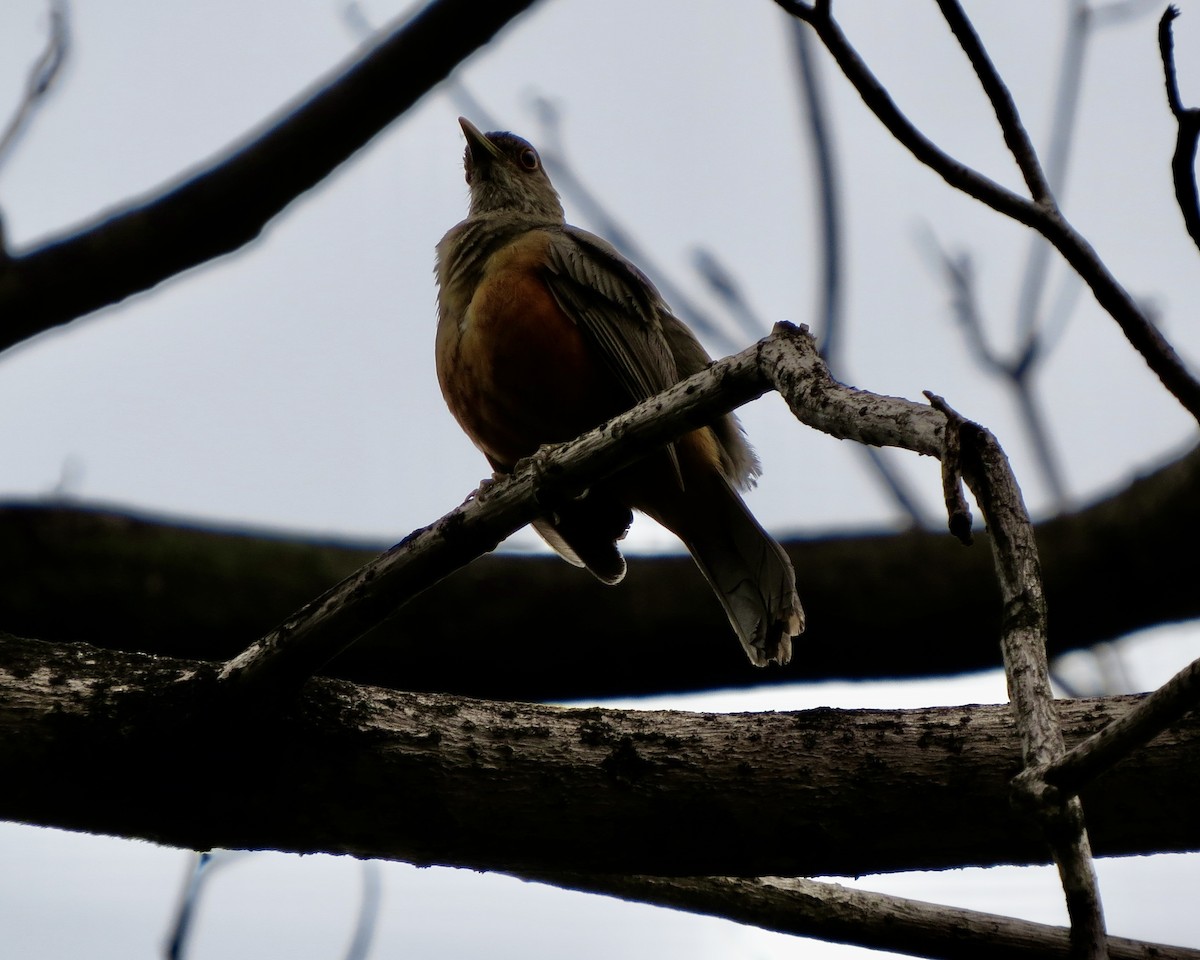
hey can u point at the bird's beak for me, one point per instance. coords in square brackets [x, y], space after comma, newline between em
[482, 149]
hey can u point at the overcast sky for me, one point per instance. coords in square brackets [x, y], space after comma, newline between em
[291, 386]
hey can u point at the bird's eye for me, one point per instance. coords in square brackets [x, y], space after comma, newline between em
[529, 159]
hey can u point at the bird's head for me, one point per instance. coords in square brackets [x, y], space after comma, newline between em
[505, 173]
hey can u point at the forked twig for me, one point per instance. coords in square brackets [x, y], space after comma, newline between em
[45, 70]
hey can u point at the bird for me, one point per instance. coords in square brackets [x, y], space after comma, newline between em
[545, 331]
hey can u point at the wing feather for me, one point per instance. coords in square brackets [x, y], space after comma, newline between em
[646, 348]
[616, 306]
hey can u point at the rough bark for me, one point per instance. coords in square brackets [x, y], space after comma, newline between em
[126, 582]
[143, 747]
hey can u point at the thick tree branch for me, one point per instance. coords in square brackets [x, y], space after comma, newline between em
[227, 204]
[132, 583]
[528, 788]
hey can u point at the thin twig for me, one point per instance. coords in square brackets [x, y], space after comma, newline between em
[1017, 371]
[829, 248]
[367, 922]
[1061, 138]
[830, 321]
[1183, 162]
[45, 70]
[1074, 770]
[1015, 135]
[725, 287]
[897, 486]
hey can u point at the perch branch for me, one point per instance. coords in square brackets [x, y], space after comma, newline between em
[312, 636]
[324, 627]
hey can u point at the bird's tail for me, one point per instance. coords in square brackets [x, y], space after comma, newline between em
[749, 572]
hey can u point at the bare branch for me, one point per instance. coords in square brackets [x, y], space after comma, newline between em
[957, 510]
[1017, 370]
[880, 102]
[1015, 135]
[1158, 353]
[833, 913]
[829, 249]
[1023, 641]
[724, 285]
[829, 313]
[1083, 763]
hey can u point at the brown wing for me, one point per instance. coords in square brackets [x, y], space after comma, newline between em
[646, 347]
[616, 306]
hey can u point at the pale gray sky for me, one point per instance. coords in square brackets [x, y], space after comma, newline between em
[292, 385]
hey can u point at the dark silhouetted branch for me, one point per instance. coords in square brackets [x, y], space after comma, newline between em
[129, 582]
[833, 913]
[228, 203]
[1042, 215]
[45, 70]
